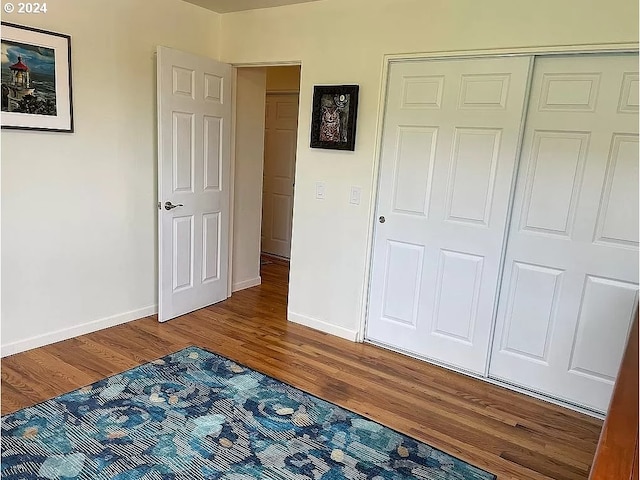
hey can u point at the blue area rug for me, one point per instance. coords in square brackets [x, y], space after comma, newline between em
[195, 415]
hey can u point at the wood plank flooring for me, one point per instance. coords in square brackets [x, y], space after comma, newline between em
[509, 434]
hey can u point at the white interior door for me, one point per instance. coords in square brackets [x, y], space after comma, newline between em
[570, 285]
[281, 133]
[449, 147]
[194, 117]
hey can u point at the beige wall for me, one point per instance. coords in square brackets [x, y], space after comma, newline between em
[79, 210]
[344, 41]
[283, 79]
[249, 160]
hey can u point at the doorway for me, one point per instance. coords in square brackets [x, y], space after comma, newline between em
[267, 100]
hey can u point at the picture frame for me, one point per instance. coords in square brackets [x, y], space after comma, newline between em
[334, 115]
[36, 79]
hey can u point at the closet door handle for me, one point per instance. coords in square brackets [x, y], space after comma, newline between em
[171, 206]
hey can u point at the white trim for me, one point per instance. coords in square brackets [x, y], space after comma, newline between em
[159, 161]
[322, 326]
[232, 174]
[631, 47]
[253, 282]
[77, 330]
[282, 63]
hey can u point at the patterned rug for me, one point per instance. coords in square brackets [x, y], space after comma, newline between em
[195, 415]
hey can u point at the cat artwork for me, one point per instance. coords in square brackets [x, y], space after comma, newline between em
[330, 124]
[333, 117]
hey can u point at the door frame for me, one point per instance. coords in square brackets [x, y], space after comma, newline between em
[388, 59]
[232, 180]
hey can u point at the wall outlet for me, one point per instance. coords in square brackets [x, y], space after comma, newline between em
[354, 195]
[320, 188]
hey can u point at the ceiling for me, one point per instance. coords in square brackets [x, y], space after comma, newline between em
[225, 6]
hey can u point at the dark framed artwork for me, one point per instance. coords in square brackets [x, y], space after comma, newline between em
[333, 119]
[36, 79]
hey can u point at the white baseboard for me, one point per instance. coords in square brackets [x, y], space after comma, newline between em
[75, 331]
[322, 326]
[254, 282]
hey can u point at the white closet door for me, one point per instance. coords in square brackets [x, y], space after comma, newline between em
[570, 284]
[449, 146]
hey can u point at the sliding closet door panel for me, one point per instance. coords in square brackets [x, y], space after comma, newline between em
[570, 285]
[449, 147]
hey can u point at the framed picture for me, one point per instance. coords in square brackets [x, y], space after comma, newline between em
[36, 79]
[333, 121]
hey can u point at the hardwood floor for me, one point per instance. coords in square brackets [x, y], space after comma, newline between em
[509, 434]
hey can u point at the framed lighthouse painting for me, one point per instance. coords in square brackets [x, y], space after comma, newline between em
[36, 79]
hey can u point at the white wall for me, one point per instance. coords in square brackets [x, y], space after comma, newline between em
[249, 160]
[343, 41]
[78, 210]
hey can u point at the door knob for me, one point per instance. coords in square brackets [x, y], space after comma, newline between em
[171, 206]
[382, 219]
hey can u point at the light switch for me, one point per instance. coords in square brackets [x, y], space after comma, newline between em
[354, 195]
[320, 187]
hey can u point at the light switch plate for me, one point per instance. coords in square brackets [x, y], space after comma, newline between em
[354, 195]
[320, 188]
